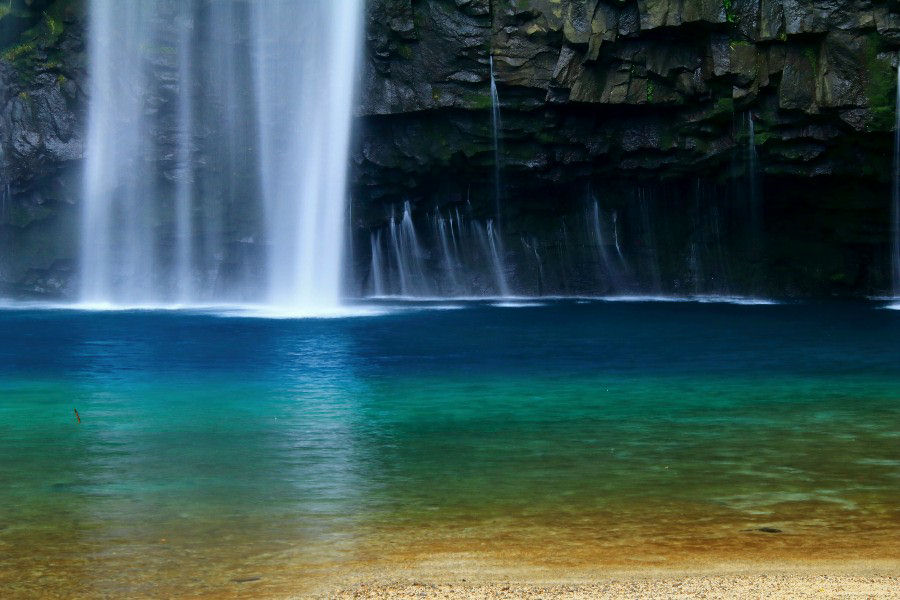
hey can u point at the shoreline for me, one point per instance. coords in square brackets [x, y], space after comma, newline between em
[462, 578]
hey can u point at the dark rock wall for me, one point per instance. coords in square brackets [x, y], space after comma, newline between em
[657, 94]
[42, 116]
[629, 88]
[599, 99]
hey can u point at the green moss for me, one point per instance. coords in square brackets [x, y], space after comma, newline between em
[724, 106]
[880, 89]
[728, 6]
[23, 53]
[761, 137]
[14, 54]
[477, 101]
[54, 25]
[405, 52]
[812, 57]
[738, 43]
[651, 89]
[881, 118]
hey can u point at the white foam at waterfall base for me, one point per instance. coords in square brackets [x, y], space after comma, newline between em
[517, 304]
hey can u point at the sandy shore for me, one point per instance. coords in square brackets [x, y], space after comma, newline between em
[700, 587]
[452, 579]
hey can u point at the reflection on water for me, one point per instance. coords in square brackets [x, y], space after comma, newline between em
[216, 453]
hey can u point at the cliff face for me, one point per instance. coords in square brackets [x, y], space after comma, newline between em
[42, 115]
[645, 106]
[629, 88]
[787, 104]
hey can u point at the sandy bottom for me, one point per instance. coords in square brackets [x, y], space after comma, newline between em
[743, 565]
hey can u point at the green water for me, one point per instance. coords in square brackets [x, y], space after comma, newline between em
[214, 447]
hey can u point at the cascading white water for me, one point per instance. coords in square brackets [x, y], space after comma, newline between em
[463, 257]
[118, 248]
[895, 199]
[304, 75]
[403, 273]
[376, 269]
[497, 259]
[615, 220]
[754, 186]
[410, 248]
[751, 156]
[184, 238]
[532, 246]
[209, 117]
[495, 126]
[450, 260]
[608, 269]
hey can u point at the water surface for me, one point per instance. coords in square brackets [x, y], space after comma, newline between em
[217, 449]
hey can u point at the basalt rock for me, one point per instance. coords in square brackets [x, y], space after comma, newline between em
[42, 115]
[626, 88]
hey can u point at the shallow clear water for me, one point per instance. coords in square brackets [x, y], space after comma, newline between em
[218, 448]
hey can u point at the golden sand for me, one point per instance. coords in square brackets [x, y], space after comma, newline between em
[695, 587]
[472, 562]
[469, 577]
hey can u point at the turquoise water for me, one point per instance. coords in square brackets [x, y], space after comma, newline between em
[215, 448]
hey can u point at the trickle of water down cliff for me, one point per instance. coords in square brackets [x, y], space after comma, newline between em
[255, 151]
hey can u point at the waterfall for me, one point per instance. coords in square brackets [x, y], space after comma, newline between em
[5, 197]
[752, 158]
[118, 247]
[184, 190]
[495, 126]
[463, 257]
[753, 186]
[403, 272]
[539, 263]
[608, 269]
[449, 259]
[376, 270]
[615, 219]
[304, 72]
[215, 128]
[409, 257]
[497, 261]
[895, 200]
[413, 253]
